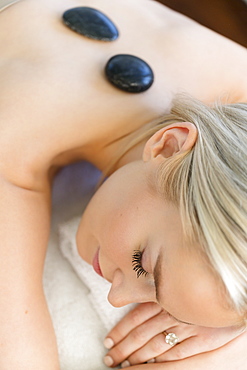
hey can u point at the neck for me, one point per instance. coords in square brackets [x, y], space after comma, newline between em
[110, 157]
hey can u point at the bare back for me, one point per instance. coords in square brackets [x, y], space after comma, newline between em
[53, 86]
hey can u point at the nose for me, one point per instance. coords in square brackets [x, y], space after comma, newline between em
[130, 290]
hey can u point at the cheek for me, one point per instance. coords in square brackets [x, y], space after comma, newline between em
[119, 225]
[194, 296]
[115, 239]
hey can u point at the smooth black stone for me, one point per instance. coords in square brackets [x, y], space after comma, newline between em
[91, 23]
[129, 73]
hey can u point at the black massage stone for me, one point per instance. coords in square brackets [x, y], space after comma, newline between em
[129, 73]
[91, 23]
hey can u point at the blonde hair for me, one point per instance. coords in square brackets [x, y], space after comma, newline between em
[209, 185]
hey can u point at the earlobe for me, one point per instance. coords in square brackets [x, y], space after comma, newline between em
[170, 140]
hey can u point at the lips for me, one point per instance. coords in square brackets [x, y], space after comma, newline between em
[96, 264]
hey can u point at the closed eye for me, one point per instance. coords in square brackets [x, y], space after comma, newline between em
[136, 263]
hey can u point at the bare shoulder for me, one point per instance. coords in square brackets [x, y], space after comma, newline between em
[55, 98]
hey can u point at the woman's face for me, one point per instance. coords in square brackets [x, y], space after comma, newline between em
[125, 216]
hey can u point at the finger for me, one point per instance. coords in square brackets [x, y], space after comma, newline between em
[157, 347]
[134, 318]
[204, 361]
[139, 337]
[232, 355]
[185, 349]
[143, 344]
[207, 339]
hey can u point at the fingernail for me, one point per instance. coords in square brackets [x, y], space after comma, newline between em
[108, 343]
[126, 363]
[108, 361]
[151, 361]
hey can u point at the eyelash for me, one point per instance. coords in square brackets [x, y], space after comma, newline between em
[136, 263]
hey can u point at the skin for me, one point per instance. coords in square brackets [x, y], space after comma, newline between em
[127, 228]
[116, 222]
[57, 108]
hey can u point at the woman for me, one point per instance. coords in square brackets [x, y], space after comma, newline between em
[181, 226]
[57, 107]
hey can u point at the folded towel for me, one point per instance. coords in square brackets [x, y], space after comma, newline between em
[98, 287]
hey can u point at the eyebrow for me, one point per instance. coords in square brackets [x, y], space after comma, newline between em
[157, 282]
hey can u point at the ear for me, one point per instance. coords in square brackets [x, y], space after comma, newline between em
[170, 140]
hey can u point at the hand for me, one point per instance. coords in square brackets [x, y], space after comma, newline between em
[139, 338]
[232, 356]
